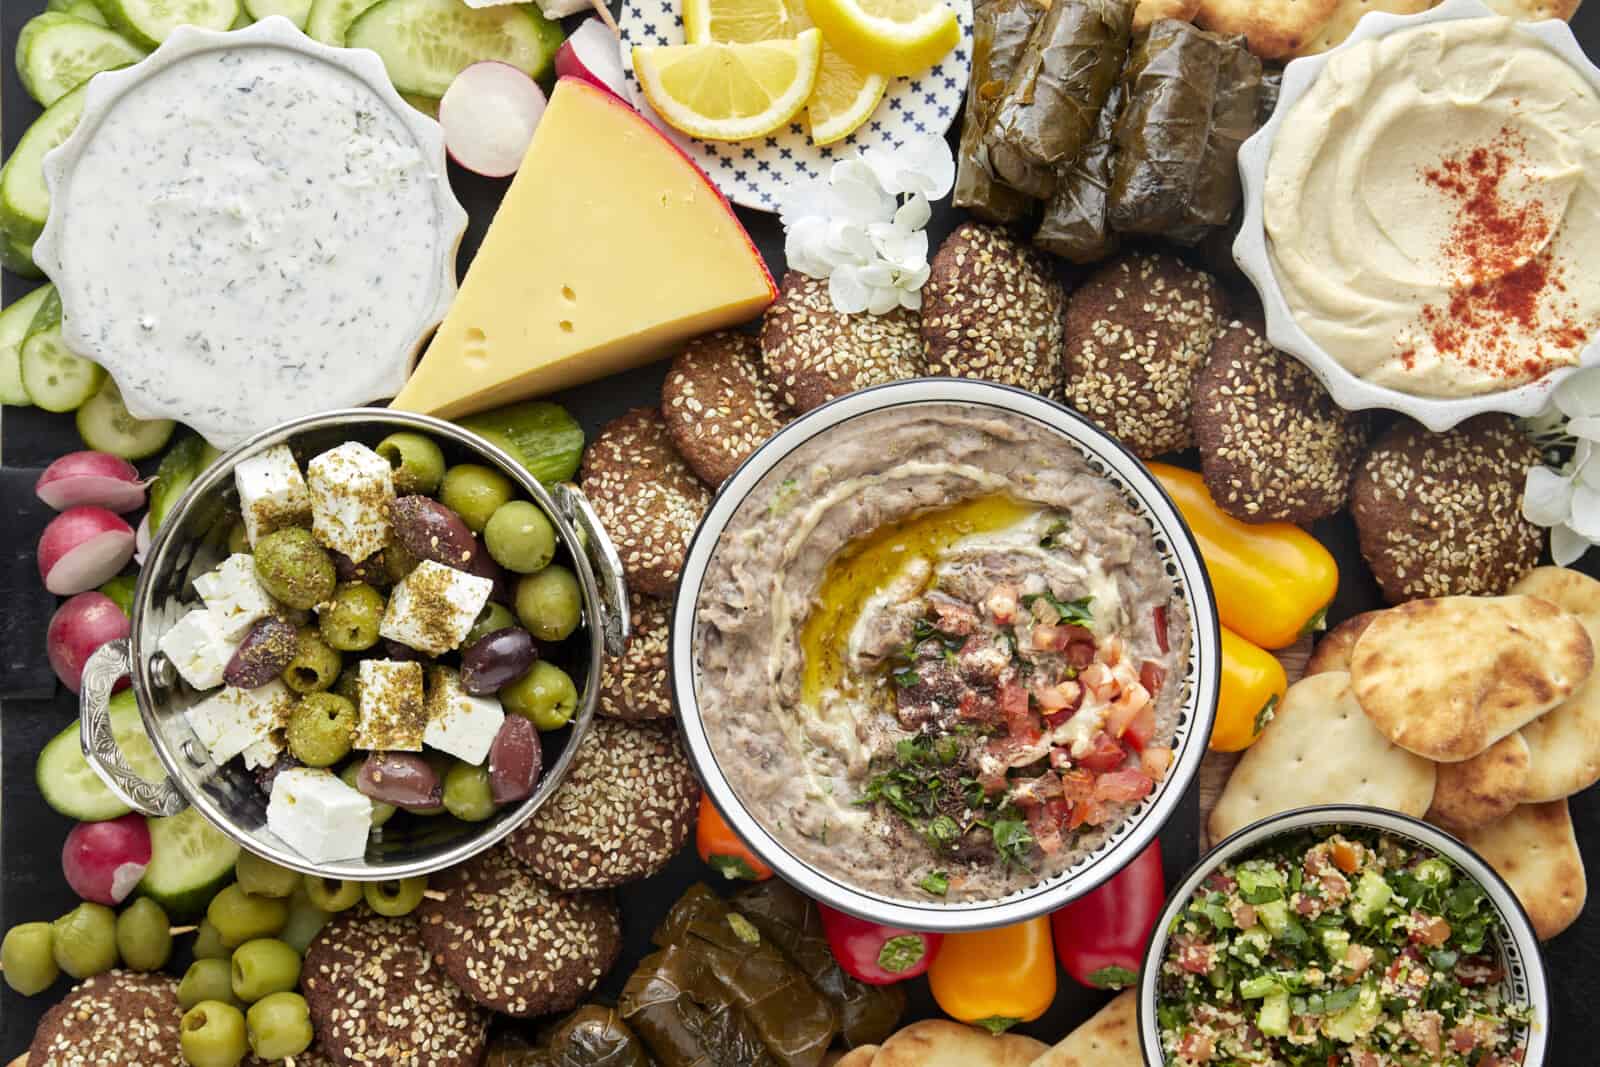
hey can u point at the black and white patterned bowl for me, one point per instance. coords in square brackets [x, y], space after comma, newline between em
[1175, 547]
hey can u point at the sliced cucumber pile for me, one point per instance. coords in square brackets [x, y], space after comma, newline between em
[329, 20]
[296, 11]
[148, 22]
[190, 860]
[179, 468]
[87, 10]
[70, 786]
[105, 425]
[424, 44]
[56, 53]
[56, 378]
[540, 435]
[14, 322]
[24, 200]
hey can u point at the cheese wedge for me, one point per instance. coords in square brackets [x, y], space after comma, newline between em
[609, 247]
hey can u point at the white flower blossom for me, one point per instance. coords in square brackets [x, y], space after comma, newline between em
[1566, 500]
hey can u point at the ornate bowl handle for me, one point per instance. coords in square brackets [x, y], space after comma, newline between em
[614, 622]
[108, 665]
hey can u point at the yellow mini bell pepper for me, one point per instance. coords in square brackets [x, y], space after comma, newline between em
[1253, 684]
[996, 978]
[1273, 581]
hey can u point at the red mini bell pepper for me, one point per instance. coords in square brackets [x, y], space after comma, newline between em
[877, 955]
[1101, 937]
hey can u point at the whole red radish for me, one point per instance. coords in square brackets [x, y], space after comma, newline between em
[78, 627]
[91, 478]
[83, 547]
[593, 53]
[103, 861]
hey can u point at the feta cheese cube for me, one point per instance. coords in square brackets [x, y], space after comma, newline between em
[432, 609]
[247, 721]
[199, 648]
[233, 595]
[458, 722]
[351, 490]
[272, 494]
[262, 754]
[319, 816]
[392, 715]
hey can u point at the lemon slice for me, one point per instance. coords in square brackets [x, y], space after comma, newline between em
[735, 21]
[730, 92]
[895, 37]
[845, 97]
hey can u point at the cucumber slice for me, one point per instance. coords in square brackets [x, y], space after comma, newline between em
[106, 426]
[541, 435]
[190, 860]
[243, 20]
[56, 5]
[424, 44]
[296, 11]
[330, 20]
[56, 378]
[14, 323]
[179, 468]
[87, 10]
[56, 53]
[70, 786]
[24, 200]
[16, 256]
[148, 22]
[425, 104]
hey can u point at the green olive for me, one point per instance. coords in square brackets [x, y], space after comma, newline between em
[322, 727]
[264, 966]
[144, 936]
[316, 663]
[238, 540]
[294, 568]
[206, 980]
[28, 961]
[351, 623]
[417, 462]
[305, 919]
[550, 603]
[348, 684]
[208, 943]
[211, 1034]
[520, 538]
[381, 812]
[545, 696]
[84, 940]
[240, 917]
[467, 794]
[279, 1026]
[395, 898]
[494, 616]
[263, 878]
[332, 895]
[474, 492]
[397, 562]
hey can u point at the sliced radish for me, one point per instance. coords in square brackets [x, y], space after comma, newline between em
[78, 627]
[103, 861]
[93, 478]
[488, 116]
[594, 54]
[81, 548]
[141, 540]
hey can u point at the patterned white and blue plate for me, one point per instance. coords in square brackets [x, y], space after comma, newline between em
[752, 173]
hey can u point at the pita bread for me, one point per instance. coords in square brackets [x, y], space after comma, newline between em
[1564, 744]
[1534, 10]
[1511, 659]
[860, 1056]
[1333, 651]
[942, 1043]
[1348, 13]
[1478, 791]
[1149, 11]
[1320, 749]
[1275, 29]
[1110, 1038]
[1536, 852]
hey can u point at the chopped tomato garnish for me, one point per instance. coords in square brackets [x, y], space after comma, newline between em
[1141, 730]
[1087, 813]
[1345, 857]
[1156, 762]
[1045, 828]
[1122, 786]
[1158, 618]
[1152, 676]
[1106, 755]
[1428, 930]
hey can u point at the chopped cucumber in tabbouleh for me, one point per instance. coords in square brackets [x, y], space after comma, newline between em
[1338, 948]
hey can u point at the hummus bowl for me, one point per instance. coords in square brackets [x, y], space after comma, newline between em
[945, 654]
[1401, 263]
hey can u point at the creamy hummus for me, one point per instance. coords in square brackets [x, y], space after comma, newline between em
[937, 655]
[1429, 202]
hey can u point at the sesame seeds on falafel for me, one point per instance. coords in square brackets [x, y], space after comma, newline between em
[719, 403]
[815, 353]
[637, 685]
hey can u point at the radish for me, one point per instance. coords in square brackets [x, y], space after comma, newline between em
[97, 478]
[103, 861]
[81, 548]
[141, 540]
[78, 627]
[593, 54]
[488, 116]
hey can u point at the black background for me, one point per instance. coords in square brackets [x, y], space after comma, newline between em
[35, 708]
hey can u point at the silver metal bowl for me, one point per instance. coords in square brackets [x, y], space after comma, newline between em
[192, 540]
[1175, 547]
[1525, 981]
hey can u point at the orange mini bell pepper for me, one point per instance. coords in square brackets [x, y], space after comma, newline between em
[1273, 581]
[1253, 684]
[725, 850]
[996, 978]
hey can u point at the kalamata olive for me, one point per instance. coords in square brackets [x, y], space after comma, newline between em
[429, 530]
[496, 659]
[268, 647]
[483, 565]
[265, 776]
[370, 570]
[403, 779]
[514, 761]
[393, 649]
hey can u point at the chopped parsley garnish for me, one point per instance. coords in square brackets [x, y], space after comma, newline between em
[906, 678]
[1069, 612]
[1012, 841]
[1057, 526]
[935, 882]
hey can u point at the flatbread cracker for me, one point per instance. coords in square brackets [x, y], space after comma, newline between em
[1534, 10]
[1478, 791]
[1564, 744]
[1536, 852]
[1348, 13]
[1110, 1038]
[1275, 29]
[1511, 659]
[1320, 749]
[860, 1056]
[942, 1043]
[1149, 11]
[1333, 651]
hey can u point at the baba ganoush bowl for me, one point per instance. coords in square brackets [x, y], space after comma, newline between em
[951, 581]
[1396, 265]
[192, 540]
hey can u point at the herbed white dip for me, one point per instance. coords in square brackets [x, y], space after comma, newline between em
[250, 235]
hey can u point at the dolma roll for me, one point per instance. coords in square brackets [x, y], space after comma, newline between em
[1077, 223]
[1000, 30]
[685, 1017]
[1233, 120]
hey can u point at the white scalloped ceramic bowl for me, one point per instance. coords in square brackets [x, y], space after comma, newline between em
[1252, 249]
[309, 259]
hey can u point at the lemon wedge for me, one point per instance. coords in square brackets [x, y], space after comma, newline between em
[845, 97]
[736, 21]
[894, 37]
[730, 92]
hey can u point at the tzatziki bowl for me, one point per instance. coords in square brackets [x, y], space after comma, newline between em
[945, 654]
[1418, 213]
